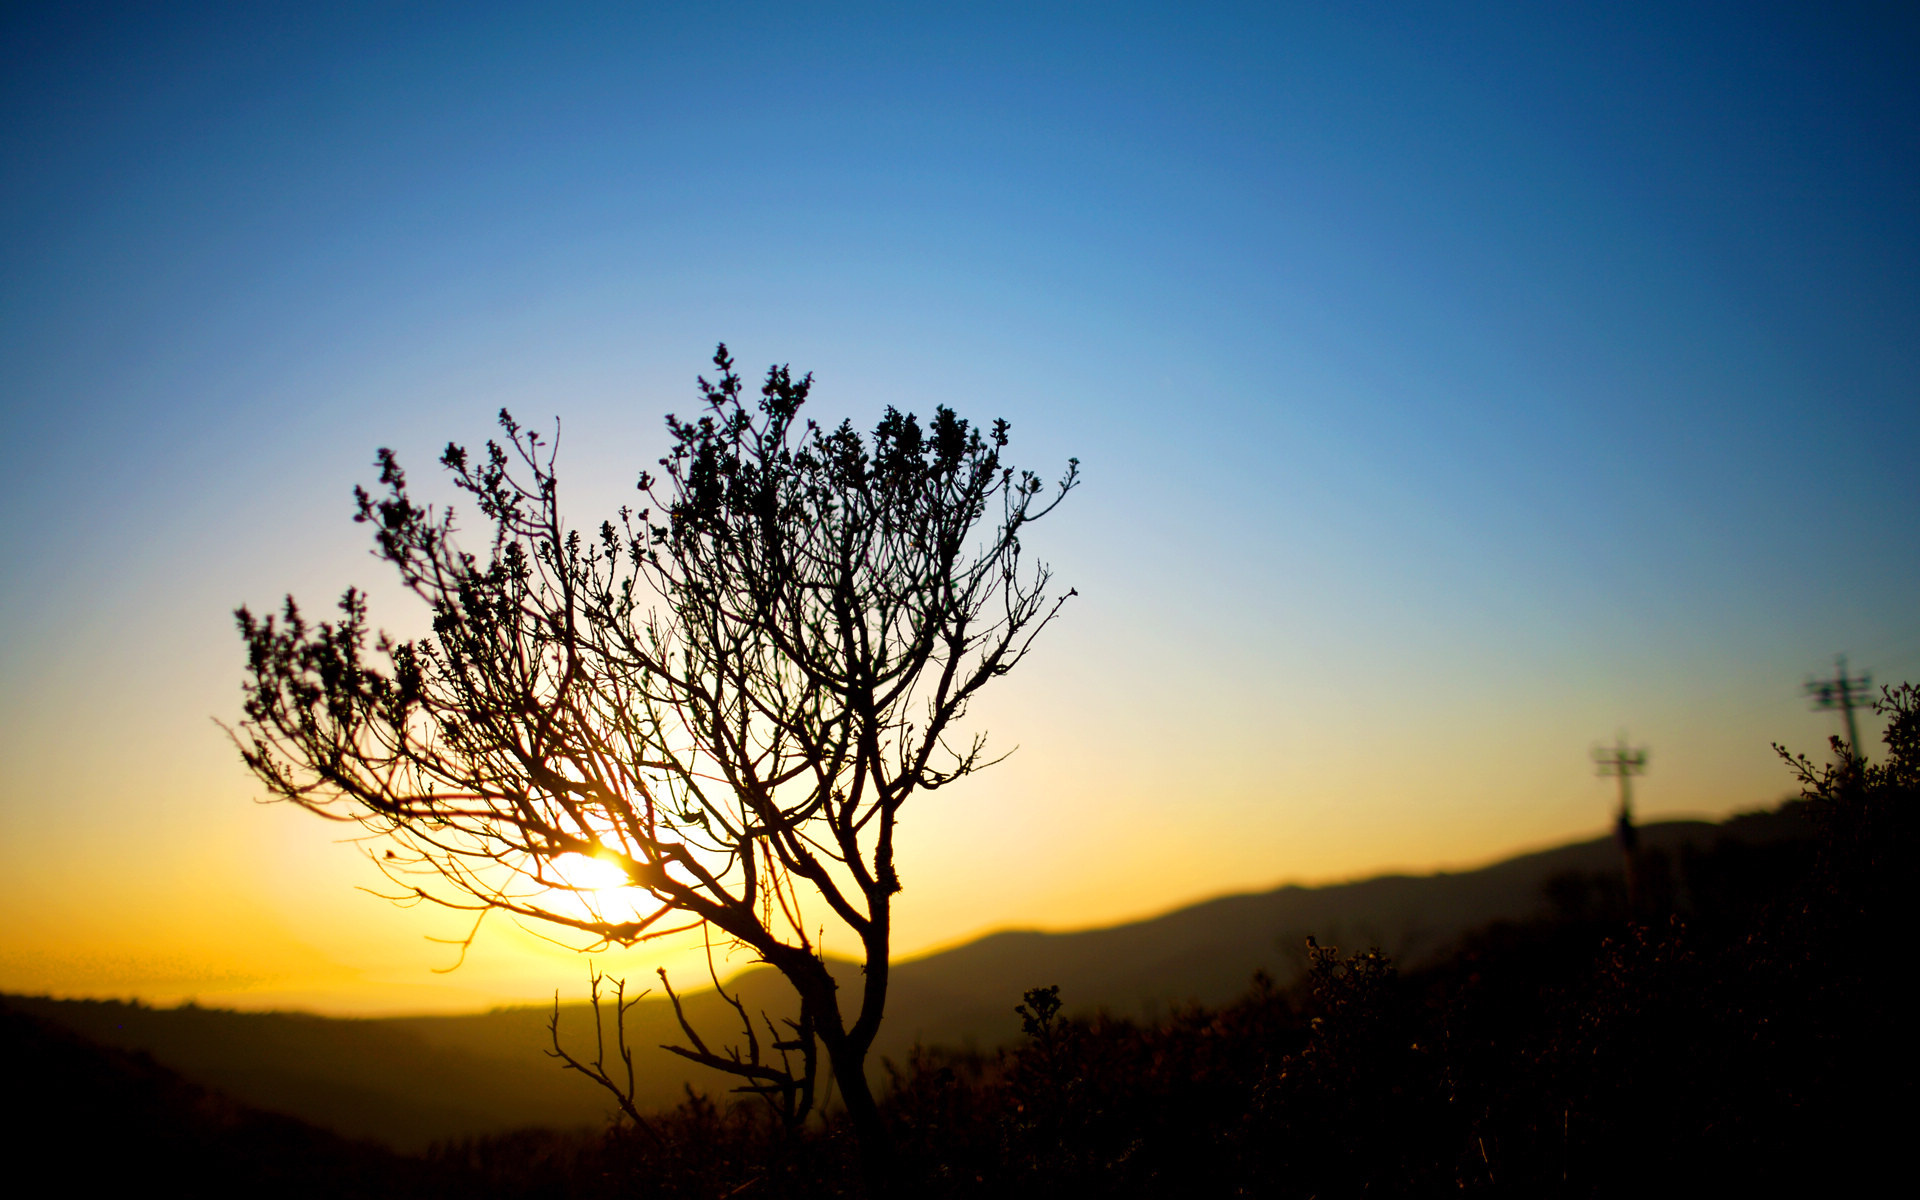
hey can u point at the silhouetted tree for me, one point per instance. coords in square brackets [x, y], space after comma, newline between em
[728, 695]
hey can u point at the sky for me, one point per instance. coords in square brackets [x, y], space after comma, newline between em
[1456, 386]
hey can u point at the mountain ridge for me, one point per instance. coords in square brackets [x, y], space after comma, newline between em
[411, 1081]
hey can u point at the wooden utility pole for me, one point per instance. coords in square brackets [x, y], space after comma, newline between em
[1846, 693]
[1625, 762]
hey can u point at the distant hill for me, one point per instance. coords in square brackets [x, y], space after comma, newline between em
[99, 1120]
[363, 1078]
[1207, 953]
[410, 1081]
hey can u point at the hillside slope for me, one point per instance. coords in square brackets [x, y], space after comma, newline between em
[1207, 953]
[414, 1080]
[110, 1121]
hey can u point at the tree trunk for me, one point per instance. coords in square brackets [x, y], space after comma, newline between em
[847, 1056]
[879, 1165]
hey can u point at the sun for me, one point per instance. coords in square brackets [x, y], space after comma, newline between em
[591, 879]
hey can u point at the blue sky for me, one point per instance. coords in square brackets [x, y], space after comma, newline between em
[1455, 385]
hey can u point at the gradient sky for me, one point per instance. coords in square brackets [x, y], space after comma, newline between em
[1455, 385]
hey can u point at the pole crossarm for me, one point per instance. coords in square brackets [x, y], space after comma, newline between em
[1846, 693]
[1623, 762]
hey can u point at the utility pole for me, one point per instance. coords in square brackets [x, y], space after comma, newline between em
[1625, 762]
[1846, 693]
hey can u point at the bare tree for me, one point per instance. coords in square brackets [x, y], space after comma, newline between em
[728, 695]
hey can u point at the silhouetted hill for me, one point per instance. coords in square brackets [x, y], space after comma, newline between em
[1206, 953]
[412, 1081]
[93, 1120]
[364, 1078]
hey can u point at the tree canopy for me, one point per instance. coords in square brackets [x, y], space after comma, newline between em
[727, 693]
